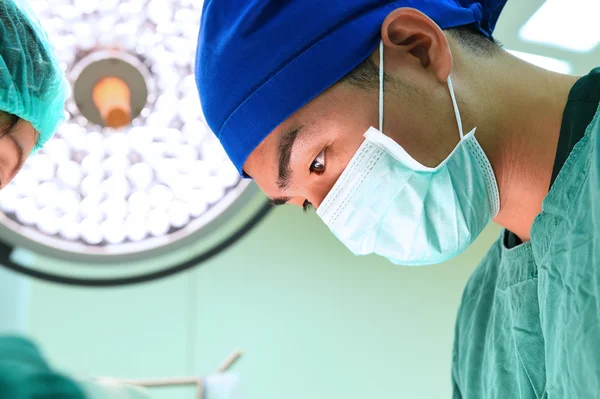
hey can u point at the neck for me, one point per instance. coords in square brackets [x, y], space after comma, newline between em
[518, 110]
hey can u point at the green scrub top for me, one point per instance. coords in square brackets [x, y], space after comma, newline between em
[25, 374]
[529, 321]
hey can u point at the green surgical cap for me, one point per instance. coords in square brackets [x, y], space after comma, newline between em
[32, 84]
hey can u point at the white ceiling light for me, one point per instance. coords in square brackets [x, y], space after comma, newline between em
[568, 24]
[551, 64]
[100, 190]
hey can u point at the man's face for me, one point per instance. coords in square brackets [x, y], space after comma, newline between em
[300, 161]
[16, 144]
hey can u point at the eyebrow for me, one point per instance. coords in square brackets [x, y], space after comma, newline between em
[286, 146]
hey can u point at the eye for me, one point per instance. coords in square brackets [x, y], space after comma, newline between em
[318, 165]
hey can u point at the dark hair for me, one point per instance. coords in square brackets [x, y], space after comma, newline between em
[366, 75]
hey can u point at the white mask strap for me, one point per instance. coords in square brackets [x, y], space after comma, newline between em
[456, 111]
[381, 86]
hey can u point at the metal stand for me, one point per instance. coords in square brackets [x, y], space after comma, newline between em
[184, 381]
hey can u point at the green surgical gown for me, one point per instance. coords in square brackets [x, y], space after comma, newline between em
[529, 321]
[25, 374]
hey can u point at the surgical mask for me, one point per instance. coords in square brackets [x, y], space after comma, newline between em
[387, 203]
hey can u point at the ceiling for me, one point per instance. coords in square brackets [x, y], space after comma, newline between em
[516, 14]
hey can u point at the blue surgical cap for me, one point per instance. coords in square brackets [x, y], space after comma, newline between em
[259, 61]
[32, 83]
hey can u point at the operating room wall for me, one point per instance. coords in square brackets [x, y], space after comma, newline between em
[313, 320]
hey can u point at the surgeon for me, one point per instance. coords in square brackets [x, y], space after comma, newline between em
[33, 89]
[409, 129]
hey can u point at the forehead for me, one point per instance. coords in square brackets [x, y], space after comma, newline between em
[331, 117]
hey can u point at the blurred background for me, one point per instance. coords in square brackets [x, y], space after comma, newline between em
[121, 207]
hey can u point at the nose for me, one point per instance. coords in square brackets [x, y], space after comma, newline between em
[319, 188]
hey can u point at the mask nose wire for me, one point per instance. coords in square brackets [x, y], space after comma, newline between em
[456, 111]
[381, 86]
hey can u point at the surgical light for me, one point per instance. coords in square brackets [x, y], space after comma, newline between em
[139, 175]
[567, 24]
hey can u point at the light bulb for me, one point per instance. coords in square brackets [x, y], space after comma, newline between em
[85, 37]
[170, 149]
[25, 182]
[94, 143]
[190, 31]
[181, 48]
[75, 135]
[134, 7]
[69, 227]
[58, 150]
[90, 231]
[71, 131]
[90, 209]
[166, 135]
[48, 221]
[157, 222]
[166, 170]
[199, 174]
[194, 132]
[160, 196]
[69, 202]
[152, 151]
[135, 227]
[47, 195]
[180, 186]
[85, 6]
[162, 119]
[113, 231]
[197, 203]
[116, 144]
[114, 208]
[178, 214]
[159, 11]
[167, 81]
[108, 5]
[91, 186]
[69, 174]
[116, 165]
[228, 174]
[139, 203]
[214, 191]
[9, 199]
[188, 84]
[40, 7]
[139, 135]
[42, 166]
[167, 104]
[116, 186]
[189, 108]
[212, 151]
[140, 175]
[104, 27]
[91, 164]
[27, 211]
[186, 152]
